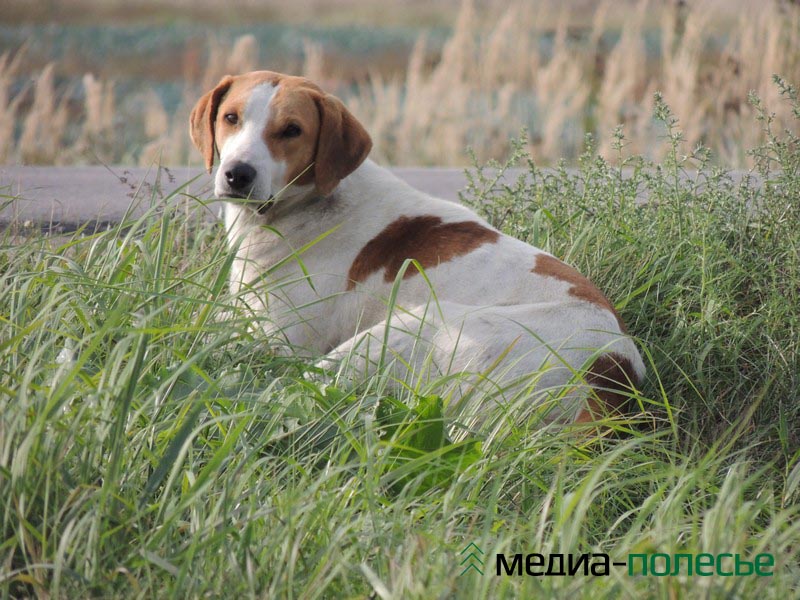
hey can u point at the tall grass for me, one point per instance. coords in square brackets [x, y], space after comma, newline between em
[152, 444]
[503, 67]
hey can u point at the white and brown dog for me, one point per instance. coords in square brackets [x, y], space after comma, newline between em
[331, 232]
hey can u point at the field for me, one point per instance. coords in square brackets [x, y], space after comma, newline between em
[152, 445]
[112, 82]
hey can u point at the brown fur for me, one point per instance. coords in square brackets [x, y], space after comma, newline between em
[582, 288]
[611, 376]
[298, 152]
[426, 239]
[343, 143]
[202, 121]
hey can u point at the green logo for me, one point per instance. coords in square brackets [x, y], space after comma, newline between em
[472, 559]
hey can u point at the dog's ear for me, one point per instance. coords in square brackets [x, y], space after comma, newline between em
[203, 117]
[343, 144]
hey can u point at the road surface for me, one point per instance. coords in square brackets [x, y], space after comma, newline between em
[63, 198]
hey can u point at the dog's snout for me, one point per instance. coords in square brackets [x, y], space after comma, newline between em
[240, 177]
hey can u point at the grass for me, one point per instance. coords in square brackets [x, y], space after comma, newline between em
[150, 447]
[103, 92]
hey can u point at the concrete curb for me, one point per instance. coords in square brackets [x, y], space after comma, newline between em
[64, 198]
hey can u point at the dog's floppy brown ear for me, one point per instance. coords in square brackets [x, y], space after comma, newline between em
[343, 144]
[201, 121]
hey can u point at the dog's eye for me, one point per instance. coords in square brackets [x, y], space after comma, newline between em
[232, 118]
[291, 131]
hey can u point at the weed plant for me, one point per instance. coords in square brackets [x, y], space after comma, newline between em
[153, 445]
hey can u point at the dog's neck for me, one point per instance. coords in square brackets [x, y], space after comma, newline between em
[361, 203]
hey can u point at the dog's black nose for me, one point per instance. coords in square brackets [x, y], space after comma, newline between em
[240, 177]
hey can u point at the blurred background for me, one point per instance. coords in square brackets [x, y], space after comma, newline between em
[113, 81]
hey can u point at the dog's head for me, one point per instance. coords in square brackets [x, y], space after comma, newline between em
[277, 136]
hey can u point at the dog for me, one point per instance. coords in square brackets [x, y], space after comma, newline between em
[351, 264]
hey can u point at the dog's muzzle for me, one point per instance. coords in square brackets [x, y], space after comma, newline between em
[239, 179]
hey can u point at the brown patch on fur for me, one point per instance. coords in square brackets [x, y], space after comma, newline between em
[611, 376]
[292, 108]
[581, 287]
[426, 239]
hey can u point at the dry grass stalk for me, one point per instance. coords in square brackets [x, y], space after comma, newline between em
[222, 60]
[563, 90]
[156, 119]
[43, 130]
[680, 84]
[215, 64]
[243, 56]
[95, 141]
[314, 61]
[498, 71]
[169, 143]
[623, 82]
[99, 105]
[9, 107]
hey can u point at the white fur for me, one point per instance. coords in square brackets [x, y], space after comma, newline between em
[248, 145]
[488, 303]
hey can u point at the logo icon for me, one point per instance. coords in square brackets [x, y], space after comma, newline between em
[472, 558]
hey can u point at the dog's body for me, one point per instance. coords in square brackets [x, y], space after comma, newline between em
[332, 240]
